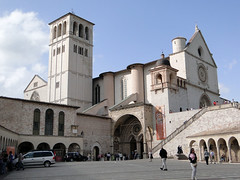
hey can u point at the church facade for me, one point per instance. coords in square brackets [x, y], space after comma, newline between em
[165, 102]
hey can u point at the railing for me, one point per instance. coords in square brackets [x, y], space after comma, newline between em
[191, 120]
[180, 129]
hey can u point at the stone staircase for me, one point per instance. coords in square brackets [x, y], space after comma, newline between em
[179, 129]
[191, 120]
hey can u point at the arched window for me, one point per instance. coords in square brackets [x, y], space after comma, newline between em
[35, 96]
[123, 88]
[49, 122]
[74, 28]
[86, 33]
[64, 27]
[97, 94]
[54, 32]
[159, 79]
[36, 122]
[61, 124]
[59, 30]
[170, 78]
[204, 101]
[80, 33]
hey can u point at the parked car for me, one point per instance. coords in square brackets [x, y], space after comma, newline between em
[75, 156]
[45, 158]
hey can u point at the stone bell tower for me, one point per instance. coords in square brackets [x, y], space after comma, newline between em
[70, 61]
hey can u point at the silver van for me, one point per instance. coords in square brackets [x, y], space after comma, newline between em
[45, 158]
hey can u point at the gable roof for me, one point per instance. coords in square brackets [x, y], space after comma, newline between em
[36, 76]
[197, 31]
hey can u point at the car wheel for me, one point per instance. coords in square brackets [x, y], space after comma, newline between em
[47, 164]
[71, 159]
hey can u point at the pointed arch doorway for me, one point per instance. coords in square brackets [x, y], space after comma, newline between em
[128, 137]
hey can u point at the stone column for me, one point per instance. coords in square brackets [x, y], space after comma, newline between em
[218, 154]
[229, 154]
[200, 154]
[145, 154]
[138, 147]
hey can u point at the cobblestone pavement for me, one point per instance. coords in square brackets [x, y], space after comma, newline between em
[126, 170]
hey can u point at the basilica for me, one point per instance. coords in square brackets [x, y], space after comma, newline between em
[167, 102]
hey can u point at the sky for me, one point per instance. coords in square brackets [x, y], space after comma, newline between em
[125, 32]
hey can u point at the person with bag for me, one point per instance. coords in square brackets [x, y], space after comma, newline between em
[193, 162]
[206, 155]
[163, 155]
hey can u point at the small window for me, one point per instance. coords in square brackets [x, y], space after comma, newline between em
[58, 50]
[35, 84]
[86, 52]
[75, 48]
[63, 48]
[81, 51]
[200, 51]
[54, 52]
[57, 84]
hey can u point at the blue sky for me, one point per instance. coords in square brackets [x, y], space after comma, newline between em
[125, 32]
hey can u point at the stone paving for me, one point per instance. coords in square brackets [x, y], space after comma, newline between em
[126, 170]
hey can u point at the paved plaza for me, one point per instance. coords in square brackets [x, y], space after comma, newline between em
[126, 170]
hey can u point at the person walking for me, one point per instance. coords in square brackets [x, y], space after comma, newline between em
[206, 155]
[150, 156]
[10, 161]
[163, 155]
[20, 163]
[193, 162]
[212, 157]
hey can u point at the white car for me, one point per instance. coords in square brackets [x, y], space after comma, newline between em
[45, 158]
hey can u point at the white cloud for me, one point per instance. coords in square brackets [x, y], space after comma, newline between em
[23, 43]
[231, 64]
[223, 89]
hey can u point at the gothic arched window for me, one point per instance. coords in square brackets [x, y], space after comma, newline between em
[49, 122]
[35, 96]
[159, 79]
[80, 34]
[74, 28]
[86, 33]
[64, 27]
[97, 94]
[204, 101]
[59, 30]
[36, 122]
[54, 32]
[61, 118]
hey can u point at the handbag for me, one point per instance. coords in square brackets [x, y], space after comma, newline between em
[194, 164]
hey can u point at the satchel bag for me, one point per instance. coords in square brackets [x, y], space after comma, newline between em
[194, 164]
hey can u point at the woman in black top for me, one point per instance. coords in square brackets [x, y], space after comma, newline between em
[193, 162]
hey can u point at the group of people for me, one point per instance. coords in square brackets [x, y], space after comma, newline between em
[211, 155]
[192, 158]
[6, 162]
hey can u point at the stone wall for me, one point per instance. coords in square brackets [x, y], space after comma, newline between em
[215, 118]
[95, 130]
